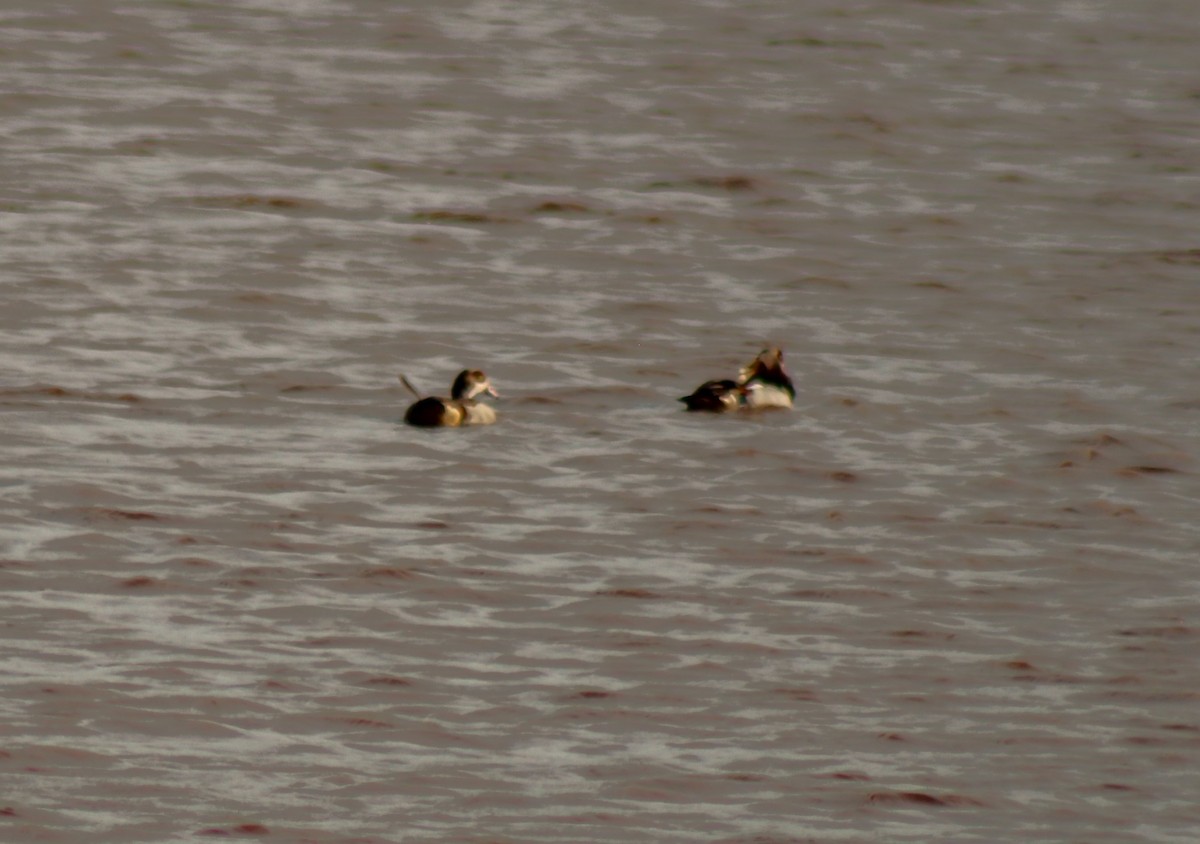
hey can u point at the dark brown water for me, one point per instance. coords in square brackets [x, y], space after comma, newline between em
[951, 597]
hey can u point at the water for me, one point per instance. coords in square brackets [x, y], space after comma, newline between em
[951, 597]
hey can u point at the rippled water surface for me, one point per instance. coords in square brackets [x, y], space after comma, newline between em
[952, 596]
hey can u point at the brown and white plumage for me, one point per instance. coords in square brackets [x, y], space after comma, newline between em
[761, 383]
[461, 408]
[775, 387]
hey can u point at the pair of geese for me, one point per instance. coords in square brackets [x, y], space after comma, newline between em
[762, 383]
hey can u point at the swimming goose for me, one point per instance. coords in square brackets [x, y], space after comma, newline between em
[460, 409]
[761, 383]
